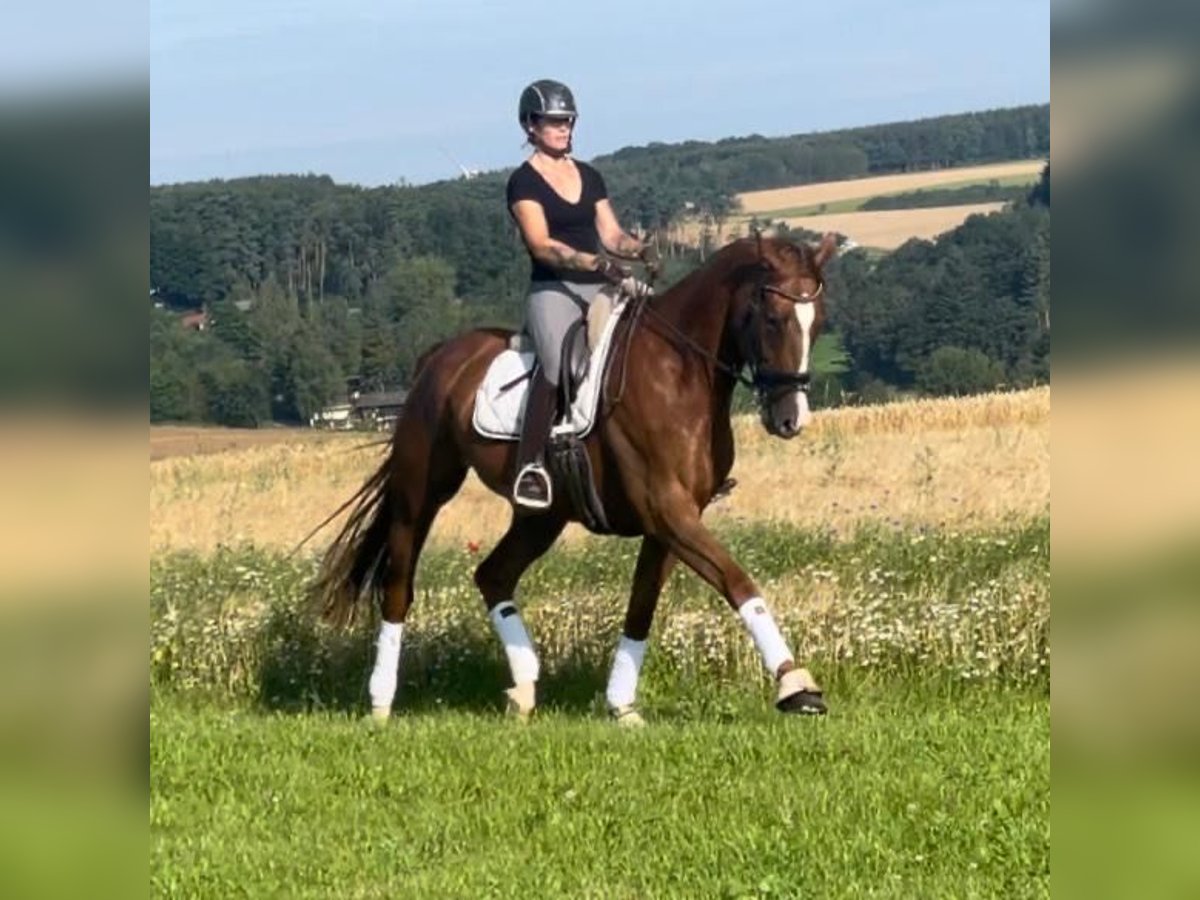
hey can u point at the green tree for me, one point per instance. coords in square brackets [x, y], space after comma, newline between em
[957, 372]
[311, 377]
[235, 394]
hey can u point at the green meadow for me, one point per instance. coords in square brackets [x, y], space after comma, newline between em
[930, 776]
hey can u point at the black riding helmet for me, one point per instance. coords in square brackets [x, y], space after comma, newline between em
[545, 97]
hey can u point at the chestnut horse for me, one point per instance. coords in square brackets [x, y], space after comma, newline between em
[662, 447]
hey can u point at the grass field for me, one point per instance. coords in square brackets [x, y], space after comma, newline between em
[912, 795]
[904, 550]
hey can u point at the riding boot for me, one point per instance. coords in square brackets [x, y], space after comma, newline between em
[532, 487]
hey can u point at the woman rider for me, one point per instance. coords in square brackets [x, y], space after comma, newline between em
[561, 207]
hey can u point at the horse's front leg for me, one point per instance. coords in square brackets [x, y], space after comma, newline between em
[654, 564]
[677, 524]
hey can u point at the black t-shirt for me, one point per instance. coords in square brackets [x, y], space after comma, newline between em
[574, 224]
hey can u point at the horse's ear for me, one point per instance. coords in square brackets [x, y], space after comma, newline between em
[826, 249]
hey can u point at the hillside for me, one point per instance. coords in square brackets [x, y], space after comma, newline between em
[310, 286]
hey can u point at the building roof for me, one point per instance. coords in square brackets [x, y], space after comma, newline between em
[380, 398]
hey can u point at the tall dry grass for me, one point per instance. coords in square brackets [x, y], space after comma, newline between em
[969, 462]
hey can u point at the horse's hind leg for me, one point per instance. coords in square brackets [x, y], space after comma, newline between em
[422, 482]
[654, 565]
[527, 538]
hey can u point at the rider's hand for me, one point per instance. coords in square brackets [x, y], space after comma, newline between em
[652, 262]
[631, 287]
[612, 273]
[620, 276]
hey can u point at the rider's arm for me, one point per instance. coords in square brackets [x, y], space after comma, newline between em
[531, 219]
[614, 238]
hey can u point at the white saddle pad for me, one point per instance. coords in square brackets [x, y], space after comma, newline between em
[500, 413]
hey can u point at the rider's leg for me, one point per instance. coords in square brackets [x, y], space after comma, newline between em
[532, 486]
[553, 308]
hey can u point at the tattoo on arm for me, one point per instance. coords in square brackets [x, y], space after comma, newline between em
[560, 256]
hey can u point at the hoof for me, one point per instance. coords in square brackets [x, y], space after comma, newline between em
[799, 693]
[803, 703]
[380, 714]
[626, 717]
[522, 700]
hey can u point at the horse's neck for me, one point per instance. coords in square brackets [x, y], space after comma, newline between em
[701, 307]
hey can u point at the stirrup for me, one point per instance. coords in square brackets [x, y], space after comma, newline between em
[535, 470]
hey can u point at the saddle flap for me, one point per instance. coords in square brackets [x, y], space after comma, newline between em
[500, 398]
[575, 356]
[521, 343]
[599, 311]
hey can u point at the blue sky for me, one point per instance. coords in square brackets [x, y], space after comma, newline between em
[373, 92]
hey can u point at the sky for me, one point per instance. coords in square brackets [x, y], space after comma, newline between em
[373, 92]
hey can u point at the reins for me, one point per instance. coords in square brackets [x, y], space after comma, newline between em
[763, 381]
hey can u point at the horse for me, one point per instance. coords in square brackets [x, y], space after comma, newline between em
[661, 450]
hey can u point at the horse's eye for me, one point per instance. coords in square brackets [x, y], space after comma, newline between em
[774, 325]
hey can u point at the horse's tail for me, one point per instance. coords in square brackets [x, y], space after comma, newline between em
[356, 564]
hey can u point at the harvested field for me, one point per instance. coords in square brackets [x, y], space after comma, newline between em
[197, 440]
[929, 462]
[887, 229]
[765, 202]
[882, 229]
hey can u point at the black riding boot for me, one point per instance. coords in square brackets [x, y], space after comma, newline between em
[532, 488]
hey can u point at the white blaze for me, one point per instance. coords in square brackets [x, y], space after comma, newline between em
[806, 314]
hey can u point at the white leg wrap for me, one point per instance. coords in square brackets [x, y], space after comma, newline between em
[761, 624]
[387, 663]
[522, 658]
[626, 667]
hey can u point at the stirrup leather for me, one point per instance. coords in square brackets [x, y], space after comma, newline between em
[536, 470]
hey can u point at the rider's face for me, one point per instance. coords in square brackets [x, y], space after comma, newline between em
[553, 133]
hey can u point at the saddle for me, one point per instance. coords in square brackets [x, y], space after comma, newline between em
[566, 457]
[582, 340]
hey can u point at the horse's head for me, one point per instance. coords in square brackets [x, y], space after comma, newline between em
[782, 308]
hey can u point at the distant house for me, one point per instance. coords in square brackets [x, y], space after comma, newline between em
[379, 409]
[339, 417]
[196, 320]
[376, 410]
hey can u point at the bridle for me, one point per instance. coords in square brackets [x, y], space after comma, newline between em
[768, 384]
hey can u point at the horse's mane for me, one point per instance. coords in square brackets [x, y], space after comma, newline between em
[735, 258]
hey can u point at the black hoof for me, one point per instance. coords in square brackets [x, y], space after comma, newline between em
[803, 703]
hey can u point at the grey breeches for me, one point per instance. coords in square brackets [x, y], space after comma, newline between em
[553, 307]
